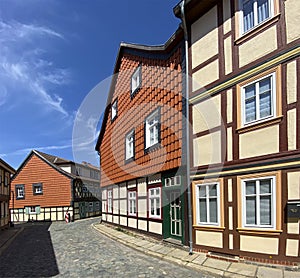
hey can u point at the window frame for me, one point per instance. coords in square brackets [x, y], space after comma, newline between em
[20, 186]
[132, 202]
[255, 82]
[34, 186]
[114, 110]
[277, 100]
[6, 179]
[273, 208]
[159, 196]
[147, 135]
[132, 157]
[109, 201]
[134, 88]
[208, 223]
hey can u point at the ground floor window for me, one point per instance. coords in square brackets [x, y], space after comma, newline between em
[154, 202]
[32, 210]
[109, 201]
[132, 202]
[208, 204]
[258, 197]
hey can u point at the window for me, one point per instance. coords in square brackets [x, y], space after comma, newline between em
[132, 202]
[255, 12]
[173, 181]
[33, 210]
[208, 204]
[136, 81]
[6, 181]
[37, 188]
[259, 202]
[114, 110]
[20, 191]
[129, 145]
[154, 203]
[152, 129]
[109, 201]
[258, 100]
[91, 206]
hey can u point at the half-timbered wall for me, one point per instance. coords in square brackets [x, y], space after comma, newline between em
[228, 150]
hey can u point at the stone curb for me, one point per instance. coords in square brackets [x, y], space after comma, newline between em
[199, 262]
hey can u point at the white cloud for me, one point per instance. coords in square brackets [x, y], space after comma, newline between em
[23, 66]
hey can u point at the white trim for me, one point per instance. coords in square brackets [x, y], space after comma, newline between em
[273, 100]
[154, 197]
[129, 145]
[207, 204]
[132, 202]
[136, 79]
[257, 194]
[152, 128]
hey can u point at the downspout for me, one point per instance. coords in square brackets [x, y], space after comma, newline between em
[187, 90]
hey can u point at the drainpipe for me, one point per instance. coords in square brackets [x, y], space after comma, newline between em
[187, 90]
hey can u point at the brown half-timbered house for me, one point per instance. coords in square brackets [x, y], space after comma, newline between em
[244, 62]
[140, 143]
[6, 171]
[46, 187]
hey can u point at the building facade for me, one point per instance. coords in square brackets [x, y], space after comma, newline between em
[46, 187]
[140, 143]
[245, 117]
[6, 171]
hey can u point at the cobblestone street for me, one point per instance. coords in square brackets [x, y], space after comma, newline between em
[77, 250]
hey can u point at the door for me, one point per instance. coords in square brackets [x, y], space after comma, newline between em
[175, 214]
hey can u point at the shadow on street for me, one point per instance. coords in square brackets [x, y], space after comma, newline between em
[31, 254]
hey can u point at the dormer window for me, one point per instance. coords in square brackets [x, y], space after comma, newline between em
[114, 110]
[136, 81]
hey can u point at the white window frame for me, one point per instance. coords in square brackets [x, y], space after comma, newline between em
[257, 102]
[255, 11]
[154, 197]
[132, 203]
[273, 202]
[152, 128]
[37, 186]
[129, 145]
[33, 210]
[22, 187]
[109, 201]
[114, 110]
[208, 222]
[136, 80]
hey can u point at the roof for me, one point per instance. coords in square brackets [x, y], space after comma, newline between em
[54, 161]
[7, 166]
[139, 48]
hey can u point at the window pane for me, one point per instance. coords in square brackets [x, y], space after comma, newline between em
[265, 210]
[213, 210]
[248, 14]
[263, 10]
[213, 190]
[250, 91]
[251, 210]
[202, 191]
[250, 103]
[265, 186]
[203, 213]
[250, 188]
[265, 101]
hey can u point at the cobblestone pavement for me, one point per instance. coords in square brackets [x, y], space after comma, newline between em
[78, 250]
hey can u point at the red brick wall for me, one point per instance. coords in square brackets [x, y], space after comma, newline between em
[56, 187]
[161, 86]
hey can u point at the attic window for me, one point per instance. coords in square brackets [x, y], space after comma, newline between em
[114, 110]
[136, 81]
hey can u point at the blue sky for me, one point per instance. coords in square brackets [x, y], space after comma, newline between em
[53, 53]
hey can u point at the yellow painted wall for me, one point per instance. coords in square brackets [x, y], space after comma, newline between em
[291, 85]
[266, 142]
[292, 129]
[293, 185]
[257, 244]
[155, 227]
[258, 46]
[213, 239]
[292, 11]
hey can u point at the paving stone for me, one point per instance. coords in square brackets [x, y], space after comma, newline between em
[199, 259]
[243, 269]
[178, 253]
[266, 272]
[291, 274]
[218, 264]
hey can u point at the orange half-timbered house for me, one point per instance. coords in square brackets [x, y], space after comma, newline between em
[140, 142]
[46, 187]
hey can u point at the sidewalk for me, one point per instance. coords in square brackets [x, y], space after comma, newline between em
[197, 261]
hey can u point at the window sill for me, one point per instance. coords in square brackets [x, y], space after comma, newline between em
[259, 231]
[154, 147]
[256, 29]
[260, 124]
[128, 160]
[208, 228]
